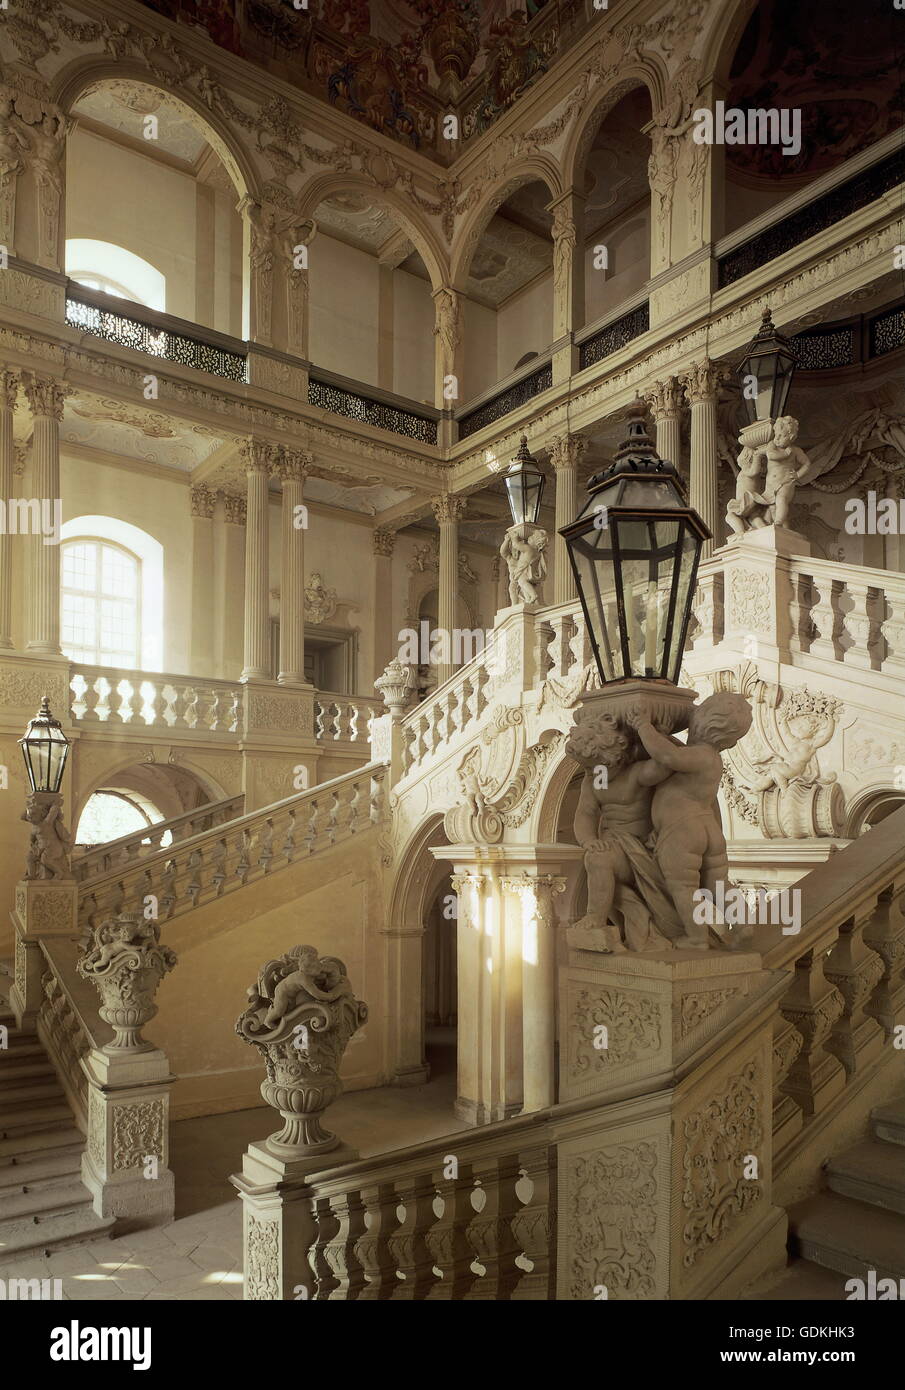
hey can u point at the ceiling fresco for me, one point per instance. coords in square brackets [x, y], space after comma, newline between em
[396, 65]
[791, 56]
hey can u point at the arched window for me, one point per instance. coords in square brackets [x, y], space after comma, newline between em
[100, 265]
[101, 603]
[109, 813]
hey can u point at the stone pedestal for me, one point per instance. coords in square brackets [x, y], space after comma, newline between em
[278, 1226]
[667, 1192]
[280, 750]
[125, 1164]
[758, 592]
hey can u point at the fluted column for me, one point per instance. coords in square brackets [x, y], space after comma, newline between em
[293, 468]
[258, 458]
[702, 383]
[9, 388]
[565, 456]
[448, 511]
[202, 501]
[665, 401]
[384, 647]
[46, 397]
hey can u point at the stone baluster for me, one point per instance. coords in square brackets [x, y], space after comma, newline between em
[892, 630]
[824, 619]
[448, 510]
[859, 626]
[489, 1233]
[408, 1243]
[787, 1115]
[9, 389]
[855, 970]
[293, 468]
[702, 384]
[337, 1250]
[534, 1225]
[885, 934]
[372, 1248]
[814, 1006]
[258, 458]
[46, 397]
[565, 456]
[446, 1240]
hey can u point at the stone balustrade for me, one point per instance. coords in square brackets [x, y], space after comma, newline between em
[97, 860]
[218, 860]
[453, 710]
[344, 718]
[148, 700]
[64, 1027]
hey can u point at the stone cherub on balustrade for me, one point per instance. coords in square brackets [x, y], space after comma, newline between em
[523, 550]
[769, 503]
[50, 842]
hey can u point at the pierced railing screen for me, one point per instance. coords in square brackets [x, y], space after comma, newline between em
[371, 412]
[155, 342]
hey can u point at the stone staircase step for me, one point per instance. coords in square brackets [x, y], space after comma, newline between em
[40, 1235]
[803, 1281]
[33, 1118]
[888, 1121]
[32, 1068]
[27, 1089]
[41, 1202]
[849, 1236]
[870, 1172]
[21, 1045]
[26, 1145]
[33, 1173]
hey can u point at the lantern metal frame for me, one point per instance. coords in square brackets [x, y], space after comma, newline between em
[768, 342]
[44, 721]
[637, 461]
[521, 466]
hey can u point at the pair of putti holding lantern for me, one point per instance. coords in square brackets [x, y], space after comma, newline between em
[649, 823]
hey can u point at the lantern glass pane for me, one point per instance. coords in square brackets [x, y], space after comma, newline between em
[647, 553]
[524, 489]
[592, 561]
[687, 565]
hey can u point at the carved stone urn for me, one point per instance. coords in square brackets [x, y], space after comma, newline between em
[300, 1016]
[395, 685]
[126, 962]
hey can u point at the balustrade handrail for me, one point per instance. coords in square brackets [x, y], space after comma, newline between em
[155, 318]
[90, 854]
[248, 822]
[834, 891]
[114, 674]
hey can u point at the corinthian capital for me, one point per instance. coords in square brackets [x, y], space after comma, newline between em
[258, 456]
[384, 540]
[664, 399]
[203, 499]
[567, 450]
[46, 396]
[449, 508]
[703, 379]
[293, 465]
[9, 389]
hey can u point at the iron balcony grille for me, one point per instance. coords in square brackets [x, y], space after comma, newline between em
[508, 400]
[371, 412]
[115, 327]
[614, 336]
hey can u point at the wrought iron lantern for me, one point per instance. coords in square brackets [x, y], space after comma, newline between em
[634, 551]
[769, 362]
[45, 749]
[524, 486]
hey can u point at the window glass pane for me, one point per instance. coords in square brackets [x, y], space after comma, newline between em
[99, 604]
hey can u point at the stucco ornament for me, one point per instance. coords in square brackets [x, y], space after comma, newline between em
[523, 549]
[320, 602]
[50, 842]
[300, 1016]
[770, 467]
[126, 962]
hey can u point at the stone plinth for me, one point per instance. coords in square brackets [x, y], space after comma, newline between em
[667, 1192]
[45, 908]
[126, 1161]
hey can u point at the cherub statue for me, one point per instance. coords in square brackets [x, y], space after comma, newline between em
[612, 823]
[806, 733]
[690, 847]
[787, 465]
[50, 843]
[468, 775]
[523, 550]
[299, 976]
[739, 516]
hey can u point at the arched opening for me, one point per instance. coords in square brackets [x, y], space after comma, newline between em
[841, 79]
[440, 982]
[871, 809]
[371, 311]
[133, 149]
[507, 290]
[138, 796]
[617, 212]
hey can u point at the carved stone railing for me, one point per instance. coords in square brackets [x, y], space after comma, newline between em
[451, 712]
[345, 718]
[217, 861]
[400, 1227]
[68, 1023]
[848, 984]
[125, 851]
[155, 334]
[152, 700]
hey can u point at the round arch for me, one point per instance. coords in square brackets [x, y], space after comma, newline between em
[421, 237]
[136, 771]
[650, 75]
[723, 39]
[537, 169]
[72, 82]
[418, 875]
[872, 805]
